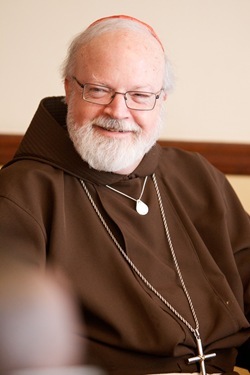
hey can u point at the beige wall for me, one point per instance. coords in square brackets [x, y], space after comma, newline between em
[206, 40]
[241, 185]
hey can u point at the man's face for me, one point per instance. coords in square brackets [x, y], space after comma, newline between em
[124, 60]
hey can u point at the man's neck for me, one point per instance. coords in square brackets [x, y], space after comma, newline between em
[129, 169]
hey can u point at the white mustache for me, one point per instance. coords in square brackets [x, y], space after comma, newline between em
[116, 125]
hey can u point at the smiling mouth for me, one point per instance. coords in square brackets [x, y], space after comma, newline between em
[112, 130]
[116, 131]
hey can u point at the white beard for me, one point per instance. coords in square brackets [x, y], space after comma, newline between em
[106, 153]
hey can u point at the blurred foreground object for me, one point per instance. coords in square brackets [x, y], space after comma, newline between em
[37, 320]
[85, 370]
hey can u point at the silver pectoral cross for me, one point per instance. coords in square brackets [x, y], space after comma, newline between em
[201, 357]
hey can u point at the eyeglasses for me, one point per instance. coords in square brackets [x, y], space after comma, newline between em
[103, 95]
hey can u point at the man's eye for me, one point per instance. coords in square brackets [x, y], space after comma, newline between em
[140, 96]
[98, 91]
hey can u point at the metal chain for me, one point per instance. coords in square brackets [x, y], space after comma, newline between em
[128, 196]
[195, 330]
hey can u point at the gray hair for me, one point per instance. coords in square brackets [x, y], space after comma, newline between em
[111, 24]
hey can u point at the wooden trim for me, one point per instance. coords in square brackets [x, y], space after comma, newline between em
[230, 158]
[8, 146]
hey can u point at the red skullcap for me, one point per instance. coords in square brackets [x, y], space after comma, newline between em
[122, 16]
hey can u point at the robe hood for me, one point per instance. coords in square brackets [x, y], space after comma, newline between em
[47, 140]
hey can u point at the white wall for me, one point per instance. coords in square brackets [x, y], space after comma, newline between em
[206, 40]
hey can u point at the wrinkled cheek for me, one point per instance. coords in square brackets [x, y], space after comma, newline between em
[79, 117]
[75, 108]
[86, 113]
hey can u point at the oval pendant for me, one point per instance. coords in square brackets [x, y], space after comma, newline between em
[141, 207]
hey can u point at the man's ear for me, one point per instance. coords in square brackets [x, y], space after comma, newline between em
[164, 95]
[67, 89]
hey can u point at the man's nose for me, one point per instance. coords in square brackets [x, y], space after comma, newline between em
[117, 108]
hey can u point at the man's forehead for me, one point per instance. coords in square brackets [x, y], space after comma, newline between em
[119, 39]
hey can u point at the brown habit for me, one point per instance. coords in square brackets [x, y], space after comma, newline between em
[47, 217]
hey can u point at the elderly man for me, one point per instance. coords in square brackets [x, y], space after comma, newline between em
[154, 241]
